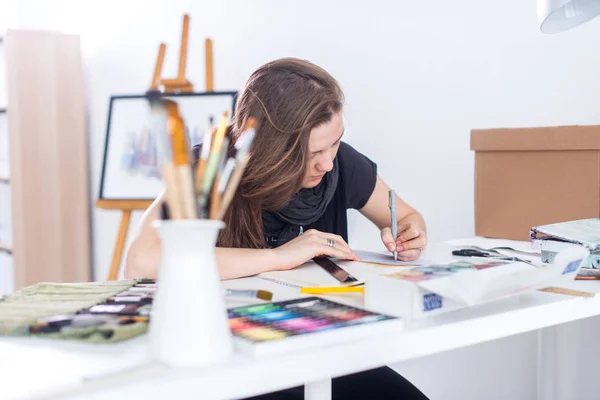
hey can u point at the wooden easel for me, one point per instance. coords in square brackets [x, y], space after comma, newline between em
[180, 84]
[126, 207]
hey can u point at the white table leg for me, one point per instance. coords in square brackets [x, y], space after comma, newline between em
[318, 390]
[547, 377]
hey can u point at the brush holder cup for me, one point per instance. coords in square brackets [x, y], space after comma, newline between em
[189, 324]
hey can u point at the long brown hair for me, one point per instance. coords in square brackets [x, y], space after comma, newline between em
[288, 98]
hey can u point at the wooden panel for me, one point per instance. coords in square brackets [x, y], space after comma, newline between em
[49, 158]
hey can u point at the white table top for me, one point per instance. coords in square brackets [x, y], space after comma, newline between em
[36, 368]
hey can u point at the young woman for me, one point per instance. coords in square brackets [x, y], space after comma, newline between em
[291, 204]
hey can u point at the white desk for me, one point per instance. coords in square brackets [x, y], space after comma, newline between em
[44, 369]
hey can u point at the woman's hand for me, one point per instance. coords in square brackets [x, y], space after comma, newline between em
[310, 244]
[410, 241]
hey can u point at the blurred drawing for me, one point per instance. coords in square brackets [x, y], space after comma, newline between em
[139, 154]
[130, 170]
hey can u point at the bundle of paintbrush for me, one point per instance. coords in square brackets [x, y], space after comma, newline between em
[206, 190]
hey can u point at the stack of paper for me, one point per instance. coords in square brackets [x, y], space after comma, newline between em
[553, 238]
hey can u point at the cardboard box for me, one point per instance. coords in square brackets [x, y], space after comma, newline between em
[527, 177]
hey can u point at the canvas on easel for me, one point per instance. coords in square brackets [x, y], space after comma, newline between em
[130, 176]
[130, 168]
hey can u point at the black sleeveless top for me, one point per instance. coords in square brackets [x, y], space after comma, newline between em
[357, 179]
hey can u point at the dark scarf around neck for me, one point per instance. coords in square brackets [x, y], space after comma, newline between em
[305, 208]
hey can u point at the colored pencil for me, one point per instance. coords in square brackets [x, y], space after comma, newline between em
[335, 289]
[587, 278]
[570, 292]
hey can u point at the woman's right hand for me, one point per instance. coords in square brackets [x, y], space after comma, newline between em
[310, 244]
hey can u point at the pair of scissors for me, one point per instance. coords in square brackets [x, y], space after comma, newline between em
[477, 253]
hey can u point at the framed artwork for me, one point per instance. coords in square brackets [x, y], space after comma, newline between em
[130, 170]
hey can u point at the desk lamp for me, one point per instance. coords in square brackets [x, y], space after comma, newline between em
[557, 16]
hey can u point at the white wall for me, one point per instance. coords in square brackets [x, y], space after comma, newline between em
[418, 75]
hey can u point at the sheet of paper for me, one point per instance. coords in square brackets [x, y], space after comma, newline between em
[386, 259]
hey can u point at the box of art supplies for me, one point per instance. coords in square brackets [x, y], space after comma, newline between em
[303, 323]
[433, 289]
[528, 177]
[553, 238]
[393, 294]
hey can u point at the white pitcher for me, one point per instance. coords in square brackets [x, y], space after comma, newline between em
[189, 324]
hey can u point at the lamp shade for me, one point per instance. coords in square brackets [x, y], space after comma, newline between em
[559, 15]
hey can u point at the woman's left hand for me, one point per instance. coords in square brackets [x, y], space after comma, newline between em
[410, 241]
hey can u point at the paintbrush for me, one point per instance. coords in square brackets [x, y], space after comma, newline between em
[234, 168]
[159, 124]
[215, 197]
[227, 165]
[215, 152]
[201, 168]
[259, 294]
[181, 160]
[232, 185]
[242, 145]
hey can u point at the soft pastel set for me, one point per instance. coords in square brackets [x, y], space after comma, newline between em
[303, 323]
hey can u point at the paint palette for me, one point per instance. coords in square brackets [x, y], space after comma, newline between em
[293, 325]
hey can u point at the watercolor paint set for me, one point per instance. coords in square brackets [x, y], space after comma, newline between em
[308, 322]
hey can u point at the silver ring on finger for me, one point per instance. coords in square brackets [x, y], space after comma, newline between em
[330, 242]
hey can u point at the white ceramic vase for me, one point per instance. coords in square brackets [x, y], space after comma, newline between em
[189, 324]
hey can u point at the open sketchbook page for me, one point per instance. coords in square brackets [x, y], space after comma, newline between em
[310, 275]
[386, 259]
